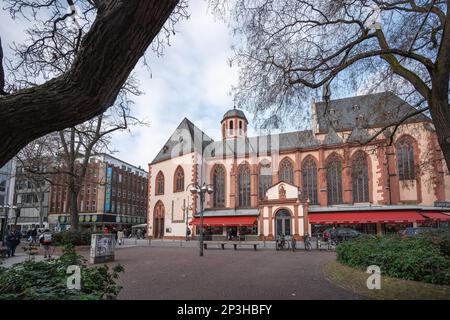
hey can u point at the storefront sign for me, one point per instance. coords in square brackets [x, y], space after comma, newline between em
[444, 204]
[94, 218]
[102, 248]
[109, 172]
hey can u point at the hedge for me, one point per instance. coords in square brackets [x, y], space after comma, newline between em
[76, 238]
[47, 280]
[421, 258]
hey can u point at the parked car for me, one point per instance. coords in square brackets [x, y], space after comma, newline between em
[411, 232]
[341, 233]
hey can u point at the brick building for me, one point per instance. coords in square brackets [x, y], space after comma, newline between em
[343, 171]
[113, 193]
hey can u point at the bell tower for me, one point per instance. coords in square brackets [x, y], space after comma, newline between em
[234, 124]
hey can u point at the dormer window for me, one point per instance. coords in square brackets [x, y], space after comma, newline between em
[356, 107]
[165, 148]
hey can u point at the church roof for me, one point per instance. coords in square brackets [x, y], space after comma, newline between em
[262, 144]
[375, 110]
[354, 114]
[234, 113]
[186, 138]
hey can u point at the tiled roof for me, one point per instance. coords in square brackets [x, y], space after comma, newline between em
[377, 110]
[234, 113]
[354, 114]
[184, 140]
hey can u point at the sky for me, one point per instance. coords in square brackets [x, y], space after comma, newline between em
[193, 79]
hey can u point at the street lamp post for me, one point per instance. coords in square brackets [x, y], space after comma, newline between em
[201, 191]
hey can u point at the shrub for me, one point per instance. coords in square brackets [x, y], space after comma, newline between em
[47, 280]
[418, 258]
[76, 238]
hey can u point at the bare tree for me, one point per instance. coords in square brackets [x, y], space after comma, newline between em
[34, 171]
[81, 142]
[51, 52]
[289, 48]
[102, 50]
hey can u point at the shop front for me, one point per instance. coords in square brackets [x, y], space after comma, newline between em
[440, 220]
[233, 227]
[366, 221]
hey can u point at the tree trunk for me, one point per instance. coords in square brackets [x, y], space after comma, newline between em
[440, 112]
[41, 210]
[118, 38]
[74, 190]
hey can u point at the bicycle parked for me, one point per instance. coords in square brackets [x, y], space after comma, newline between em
[307, 242]
[281, 243]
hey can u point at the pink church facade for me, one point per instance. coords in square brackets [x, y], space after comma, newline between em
[344, 171]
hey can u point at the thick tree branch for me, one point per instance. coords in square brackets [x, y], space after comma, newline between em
[116, 41]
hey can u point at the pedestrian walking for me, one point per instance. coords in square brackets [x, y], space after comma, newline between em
[12, 241]
[120, 236]
[46, 239]
[33, 235]
[114, 232]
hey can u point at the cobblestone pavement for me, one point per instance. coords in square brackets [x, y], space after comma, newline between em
[179, 273]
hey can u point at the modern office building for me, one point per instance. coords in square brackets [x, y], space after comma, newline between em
[113, 193]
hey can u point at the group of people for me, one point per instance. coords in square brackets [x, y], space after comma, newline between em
[13, 237]
[124, 233]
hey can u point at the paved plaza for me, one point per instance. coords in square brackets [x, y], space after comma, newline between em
[171, 272]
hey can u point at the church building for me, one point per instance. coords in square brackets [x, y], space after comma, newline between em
[353, 168]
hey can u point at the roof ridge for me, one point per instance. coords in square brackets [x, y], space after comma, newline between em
[363, 95]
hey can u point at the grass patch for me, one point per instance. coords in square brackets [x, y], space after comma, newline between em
[391, 288]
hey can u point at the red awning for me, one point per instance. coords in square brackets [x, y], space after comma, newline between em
[437, 216]
[365, 217]
[226, 221]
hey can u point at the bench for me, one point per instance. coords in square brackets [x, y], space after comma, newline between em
[234, 243]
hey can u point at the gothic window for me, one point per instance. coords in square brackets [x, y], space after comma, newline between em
[179, 179]
[286, 171]
[219, 187]
[405, 159]
[265, 178]
[159, 183]
[309, 173]
[334, 180]
[360, 177]
[244, 186]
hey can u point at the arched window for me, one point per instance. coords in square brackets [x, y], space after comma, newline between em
[159, 183]
[244, 186]
[360, 177]
[231, 125]
[405, 159]
[265, 178]
[179, 180]
[334, 180]
[219, 187]
[286, 171]
[309, 174]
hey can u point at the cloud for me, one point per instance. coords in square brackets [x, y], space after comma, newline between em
[193, 79]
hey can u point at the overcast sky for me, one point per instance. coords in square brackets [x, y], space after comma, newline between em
[193, 79]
